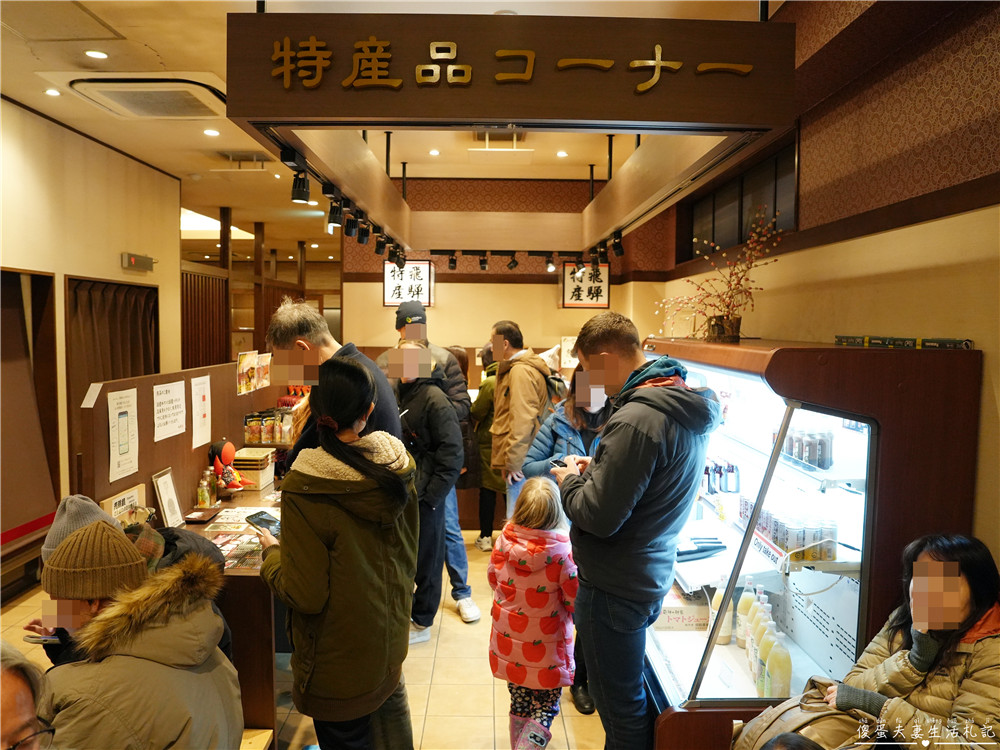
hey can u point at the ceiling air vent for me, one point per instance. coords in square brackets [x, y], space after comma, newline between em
[162, 99]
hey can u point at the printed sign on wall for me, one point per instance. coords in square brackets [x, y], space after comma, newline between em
[588, 287]
[415, 280]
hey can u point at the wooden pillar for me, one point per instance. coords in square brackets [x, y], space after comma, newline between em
[302, 266]
[259, 311]
[273, 274]
[226, 262]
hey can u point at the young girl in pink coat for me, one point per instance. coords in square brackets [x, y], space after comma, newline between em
[533, 578]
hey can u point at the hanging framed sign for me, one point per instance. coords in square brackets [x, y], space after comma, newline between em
[587, 287]
[415, 280]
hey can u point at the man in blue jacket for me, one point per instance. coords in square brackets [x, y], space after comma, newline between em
[628, 505]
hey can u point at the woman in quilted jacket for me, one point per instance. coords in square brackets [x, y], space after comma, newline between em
[533, 578]
[931, 677]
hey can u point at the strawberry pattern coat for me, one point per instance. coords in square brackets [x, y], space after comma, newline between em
[534, 584]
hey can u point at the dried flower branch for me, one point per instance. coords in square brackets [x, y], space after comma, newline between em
[730, 289]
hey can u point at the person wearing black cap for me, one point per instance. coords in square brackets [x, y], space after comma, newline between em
[411, 325]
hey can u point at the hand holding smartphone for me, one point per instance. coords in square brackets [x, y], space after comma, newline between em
[265, 522]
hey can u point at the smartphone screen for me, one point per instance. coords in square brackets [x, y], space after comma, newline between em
[264, 520]
[557, 462]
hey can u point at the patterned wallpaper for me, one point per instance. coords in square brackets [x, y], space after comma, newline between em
[818, 21]
[548, 196]
[916, 123]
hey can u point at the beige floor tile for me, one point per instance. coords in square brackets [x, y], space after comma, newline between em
[459, 733]
[416, 696]
[584, 732]
[418, 671]
[460, 700]
[462, 671]
[297, 732]
[558, 742]
[501, 698]
[458, 644]
[418, 729]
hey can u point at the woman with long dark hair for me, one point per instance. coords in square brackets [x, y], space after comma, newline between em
[345, 564]
[936, 662]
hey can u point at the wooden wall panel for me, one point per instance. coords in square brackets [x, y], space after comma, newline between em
[204, 335]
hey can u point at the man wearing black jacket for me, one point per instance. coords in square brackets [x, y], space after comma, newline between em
[628, 505]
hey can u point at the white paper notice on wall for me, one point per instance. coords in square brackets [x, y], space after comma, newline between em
[123, 434]
[169, 410]
[201, 411]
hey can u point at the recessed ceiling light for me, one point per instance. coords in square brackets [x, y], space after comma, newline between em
[96, 54]
[314, 245]
[277, 177]
[218, 244]
[53, 92]
[561, 154]
[207, 257]
[434, 152]
[329, 257]
[211, 132]
[290, 257]
[313, 203]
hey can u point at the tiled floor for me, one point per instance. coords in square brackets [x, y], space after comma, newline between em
[455, 702]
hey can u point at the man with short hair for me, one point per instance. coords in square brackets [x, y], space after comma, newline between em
[301, 341]
[628, 505]
[152, 674]
[20, 686]
[411, 325]
[520, 404]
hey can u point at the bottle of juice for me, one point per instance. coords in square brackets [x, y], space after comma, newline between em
[762, 653]
[759, 628]
[752, 626]
[742, 608]
[726, 631]
[778, 671]
[754, 608]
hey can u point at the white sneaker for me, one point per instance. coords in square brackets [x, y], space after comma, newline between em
[468, 610]
[419, 633]
[484, 543]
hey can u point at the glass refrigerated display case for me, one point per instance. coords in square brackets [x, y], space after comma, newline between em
[807, 497]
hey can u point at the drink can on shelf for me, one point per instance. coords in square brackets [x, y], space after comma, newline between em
[813, 534]
[830, 545]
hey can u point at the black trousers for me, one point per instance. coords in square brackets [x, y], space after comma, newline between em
[344, 735]
[487, 507]
[430, 559]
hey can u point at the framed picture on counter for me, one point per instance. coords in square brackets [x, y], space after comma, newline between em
[166, 495]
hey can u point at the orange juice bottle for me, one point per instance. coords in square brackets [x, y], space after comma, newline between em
[778, 672]
[762, 653]
[742, 608]
[759, 628]
[726, 631]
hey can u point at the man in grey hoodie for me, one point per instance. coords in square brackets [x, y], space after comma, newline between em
[628, 505]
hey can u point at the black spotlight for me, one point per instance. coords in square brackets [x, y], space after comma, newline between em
[595, 262]
[300, 188]
[364, 232]
[483, 262]
[350, 227]
[401, 260]
[452, 262]
[550, 264]
[512, 263]
[393, 254]
[380, 246]
[579, 263]
[335, 219]
[616, 243]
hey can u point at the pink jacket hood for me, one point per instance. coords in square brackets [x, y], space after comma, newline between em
[534, 583]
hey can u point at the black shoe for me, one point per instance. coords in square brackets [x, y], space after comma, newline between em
[581, 699]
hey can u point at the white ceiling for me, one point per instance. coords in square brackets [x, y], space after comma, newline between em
[43, 43]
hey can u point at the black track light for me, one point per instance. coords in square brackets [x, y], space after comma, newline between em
[595, 263]
[550, 264]
[335, 219]
[364, 231]
[616, 244]
[350, 227]
[512, 263]
[401, 260]
[483, 262]
[452, 262]
[300, 188]
[393, 254]
[579, 263]
[380, 246]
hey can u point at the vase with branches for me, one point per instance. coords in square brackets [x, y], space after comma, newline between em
[716, 303]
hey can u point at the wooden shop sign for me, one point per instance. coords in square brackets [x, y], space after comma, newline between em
[666, 74]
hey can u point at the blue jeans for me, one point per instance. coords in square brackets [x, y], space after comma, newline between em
[513, 490]
[613, 634]
[455, 558]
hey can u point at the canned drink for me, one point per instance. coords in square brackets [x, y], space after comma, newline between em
[796, 539]
[781, 534]
[764, 522]
[830, 546]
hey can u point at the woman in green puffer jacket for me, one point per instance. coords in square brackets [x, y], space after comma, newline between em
[931, 677]
[490, 481]
[346, 562]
